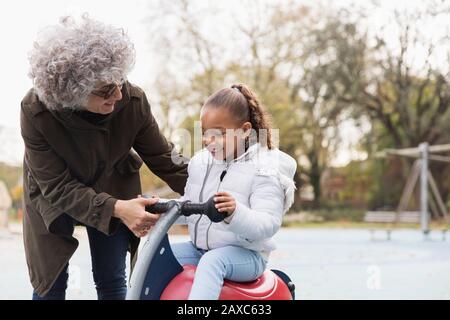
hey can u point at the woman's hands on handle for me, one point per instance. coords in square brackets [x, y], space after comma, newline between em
[133, 215]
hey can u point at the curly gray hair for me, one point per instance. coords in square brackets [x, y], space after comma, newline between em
[69, 60]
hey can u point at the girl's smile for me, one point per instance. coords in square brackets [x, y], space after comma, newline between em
[221, 133]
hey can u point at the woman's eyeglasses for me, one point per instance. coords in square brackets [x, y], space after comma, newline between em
[107, 91]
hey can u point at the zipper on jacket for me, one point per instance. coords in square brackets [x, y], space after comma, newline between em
[207, 236]
[222, 176]
[195, 230]
[200, 199]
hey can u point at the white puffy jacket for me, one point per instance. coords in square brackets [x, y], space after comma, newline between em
[260, 180]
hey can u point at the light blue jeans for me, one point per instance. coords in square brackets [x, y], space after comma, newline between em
[213, 266]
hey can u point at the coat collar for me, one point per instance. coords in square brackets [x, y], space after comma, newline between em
[246, 156]
[71, 119]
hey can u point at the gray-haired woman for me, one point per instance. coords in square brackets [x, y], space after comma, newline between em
[87, 131]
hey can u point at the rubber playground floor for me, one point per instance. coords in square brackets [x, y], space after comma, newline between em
[323, 263]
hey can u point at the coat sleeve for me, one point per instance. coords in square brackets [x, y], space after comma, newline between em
[58, 187]
[264, 216]
[158, 154]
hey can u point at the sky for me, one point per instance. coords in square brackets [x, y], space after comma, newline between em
[20, 21]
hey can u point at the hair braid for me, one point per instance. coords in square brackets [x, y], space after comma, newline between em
[258, 116]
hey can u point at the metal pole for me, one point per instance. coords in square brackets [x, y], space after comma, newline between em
[424, 215]
[149, 250]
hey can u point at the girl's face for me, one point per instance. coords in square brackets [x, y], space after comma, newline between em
[222, 134]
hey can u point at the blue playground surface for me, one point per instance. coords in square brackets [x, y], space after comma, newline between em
[324, 264]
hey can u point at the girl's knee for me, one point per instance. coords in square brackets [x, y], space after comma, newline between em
[212, 260]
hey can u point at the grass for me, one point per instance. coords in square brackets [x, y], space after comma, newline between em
[348, 218]
[337, 214]
[363, 225]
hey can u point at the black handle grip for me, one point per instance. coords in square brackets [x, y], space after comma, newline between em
[159, 207]
[190, 208]
[213, 214]
[207, 208]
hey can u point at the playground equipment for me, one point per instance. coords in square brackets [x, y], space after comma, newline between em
[420, 171]
[158, 275]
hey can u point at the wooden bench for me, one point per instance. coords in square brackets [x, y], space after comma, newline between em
[391, 217]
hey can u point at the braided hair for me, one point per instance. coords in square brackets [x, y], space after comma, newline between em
[245, 106]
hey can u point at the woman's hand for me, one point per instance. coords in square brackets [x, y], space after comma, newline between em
[225, 203]
[133, 215]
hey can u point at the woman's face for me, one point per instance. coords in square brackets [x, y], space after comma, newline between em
[222, 134]
[103, 99]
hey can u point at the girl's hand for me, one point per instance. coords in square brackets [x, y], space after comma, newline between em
[225, 203]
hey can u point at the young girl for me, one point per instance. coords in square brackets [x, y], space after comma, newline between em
[253, 186]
